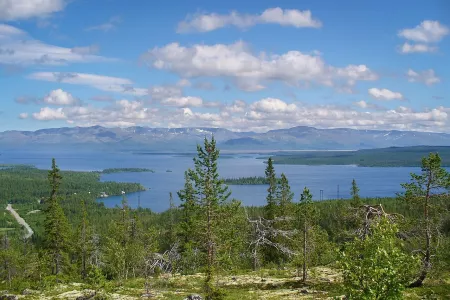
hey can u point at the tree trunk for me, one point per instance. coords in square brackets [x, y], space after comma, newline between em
[427, 260]
[305, 229]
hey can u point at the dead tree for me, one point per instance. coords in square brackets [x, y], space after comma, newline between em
[264, 233]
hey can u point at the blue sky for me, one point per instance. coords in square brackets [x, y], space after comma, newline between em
[242, 65]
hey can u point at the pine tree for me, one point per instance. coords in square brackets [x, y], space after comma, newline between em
[57, 230]
[424, 191]
[284, 197]
[84, 240]
[212, 196]
[172, 239]
[354, 192]
[307, 216]
[9, 260]
[271, 206]
[189, 209]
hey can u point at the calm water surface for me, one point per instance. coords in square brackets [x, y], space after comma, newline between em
[373, 182]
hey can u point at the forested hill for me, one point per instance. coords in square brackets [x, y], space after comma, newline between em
[385, 157]
[180, 139]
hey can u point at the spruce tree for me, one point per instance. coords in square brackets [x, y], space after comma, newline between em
[270, 209]
[354, 192]
[57, 230]
[84, 241]
[284, 197]
[189, 212]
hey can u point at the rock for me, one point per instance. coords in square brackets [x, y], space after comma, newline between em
[193, 297]
[29, 292]
[86, 296]
[9, 297]
[147, 295]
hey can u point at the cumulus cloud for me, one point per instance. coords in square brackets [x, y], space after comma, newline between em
[12, 10]
[285, 17]
[273, 105]
[423, 34]
[104, 83]
[367, 105]
[426, 32]
[182, 101]
[250, 71]
[107, 26]
[384, 94]
[23, 50]
[407, 48]
[49, 114]
[60, 97]
[23, 116]
[427, 77]
[261, 115]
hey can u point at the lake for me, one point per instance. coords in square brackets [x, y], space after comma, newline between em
[373, 182]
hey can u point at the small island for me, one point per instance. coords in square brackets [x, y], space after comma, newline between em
[255, 180]
[124, 170]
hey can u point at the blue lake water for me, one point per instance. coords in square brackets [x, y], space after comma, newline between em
[373, 182]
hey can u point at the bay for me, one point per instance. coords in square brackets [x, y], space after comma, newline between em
[334, 181]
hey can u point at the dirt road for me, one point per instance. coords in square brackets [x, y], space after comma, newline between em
[21, 221]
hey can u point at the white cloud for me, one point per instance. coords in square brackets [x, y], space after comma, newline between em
[93, 49]
[262, 115]
[367, 105]
[11, 10]
[60, 97]
[285, 17]
[107, 26]
[251, 71]
[273, 105]
[426, 32]
[384, 94]
[362, 104]
[160, 92]
[24, 50]
[427, 77]
[183, 101]
[49, 114]
[104, 83]
[289, 17]
[23, 115]
[407, 48]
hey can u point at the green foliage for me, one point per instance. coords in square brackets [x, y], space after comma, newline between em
[284, 197]
[57, 229]
[255, 180]
[271, 200]
[376, 267]
[425, 191]
[354, 192]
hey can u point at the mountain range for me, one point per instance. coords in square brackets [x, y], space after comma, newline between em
[185, 139]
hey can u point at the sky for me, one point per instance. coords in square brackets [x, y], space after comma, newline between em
[240, 65]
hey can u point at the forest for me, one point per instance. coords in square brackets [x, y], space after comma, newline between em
[213, 247]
